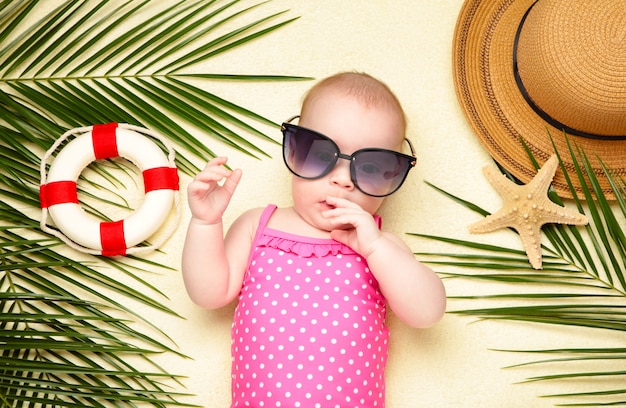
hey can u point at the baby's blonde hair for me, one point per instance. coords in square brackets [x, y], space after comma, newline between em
[363, 87]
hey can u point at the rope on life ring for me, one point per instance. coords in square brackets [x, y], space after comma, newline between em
[83, 231]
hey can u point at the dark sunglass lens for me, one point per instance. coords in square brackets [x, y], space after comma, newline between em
[380, 173]
[308, 154]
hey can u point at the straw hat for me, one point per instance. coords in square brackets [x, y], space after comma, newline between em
[535, 68]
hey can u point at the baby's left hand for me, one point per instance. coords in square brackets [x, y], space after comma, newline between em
[356, 227]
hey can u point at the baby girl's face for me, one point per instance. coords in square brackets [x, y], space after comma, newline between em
[352, 126]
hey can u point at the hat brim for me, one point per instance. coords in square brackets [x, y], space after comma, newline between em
[496, 109]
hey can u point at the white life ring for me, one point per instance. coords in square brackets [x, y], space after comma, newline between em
[85, 232]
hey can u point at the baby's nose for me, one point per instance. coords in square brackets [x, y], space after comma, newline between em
[340, 175]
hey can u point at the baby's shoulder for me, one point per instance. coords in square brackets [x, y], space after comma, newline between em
[253, 217]
[250, 217]
[243, 229]
[278, 218]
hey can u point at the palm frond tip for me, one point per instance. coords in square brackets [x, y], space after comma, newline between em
[590, 261]
[71, 336]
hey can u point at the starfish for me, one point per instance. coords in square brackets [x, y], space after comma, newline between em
[526, 208]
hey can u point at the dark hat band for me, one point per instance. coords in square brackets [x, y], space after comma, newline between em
[543, 114]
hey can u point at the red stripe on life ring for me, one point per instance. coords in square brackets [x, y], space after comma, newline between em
[160, 178]
[112, 238]
[104, 141]
[58, 192]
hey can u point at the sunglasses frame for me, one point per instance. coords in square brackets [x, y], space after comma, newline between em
[412, 160]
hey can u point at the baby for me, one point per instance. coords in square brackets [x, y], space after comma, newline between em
[313, 280]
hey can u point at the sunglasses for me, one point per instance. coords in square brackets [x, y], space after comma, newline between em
[375, 172]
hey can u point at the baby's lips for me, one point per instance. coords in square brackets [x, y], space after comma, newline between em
[328, 206]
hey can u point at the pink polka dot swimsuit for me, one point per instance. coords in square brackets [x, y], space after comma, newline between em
[309, 329]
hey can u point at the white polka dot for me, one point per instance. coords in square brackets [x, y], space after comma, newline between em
[294, 286]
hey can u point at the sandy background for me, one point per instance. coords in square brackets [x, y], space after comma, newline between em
[407, 44]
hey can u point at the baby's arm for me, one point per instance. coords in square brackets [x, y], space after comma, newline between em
[414, 292]
[212, 270]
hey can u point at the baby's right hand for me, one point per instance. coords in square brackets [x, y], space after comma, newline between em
[208, 198]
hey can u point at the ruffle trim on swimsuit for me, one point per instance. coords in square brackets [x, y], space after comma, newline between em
[303, 246]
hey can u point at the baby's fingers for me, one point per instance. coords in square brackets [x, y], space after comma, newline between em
[212, 175]
[232, 180]
[341, 202]
[216, 161]
[209, 193]
[214, 170]
[342, 219]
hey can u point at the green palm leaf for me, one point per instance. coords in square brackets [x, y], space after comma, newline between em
[68, 335]
[582, 284]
